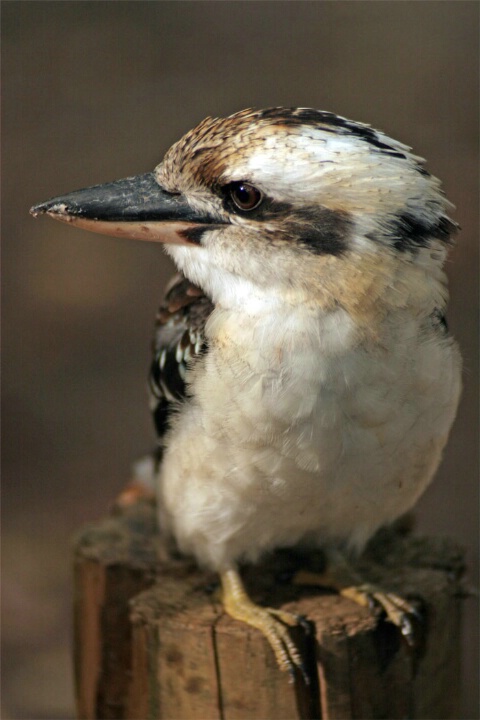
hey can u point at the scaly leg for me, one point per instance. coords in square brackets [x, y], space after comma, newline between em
[345, 580]
[272, 623]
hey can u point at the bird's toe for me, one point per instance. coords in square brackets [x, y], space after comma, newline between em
[274, 624]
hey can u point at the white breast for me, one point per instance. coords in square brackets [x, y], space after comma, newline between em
[303, 428]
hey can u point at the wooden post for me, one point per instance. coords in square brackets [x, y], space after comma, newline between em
[153, 643]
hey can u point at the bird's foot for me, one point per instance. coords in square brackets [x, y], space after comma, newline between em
[271, 622]
[343, 578]
[399, 611]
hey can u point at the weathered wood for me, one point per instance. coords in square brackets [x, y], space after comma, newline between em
[114, 561]
[152, 641]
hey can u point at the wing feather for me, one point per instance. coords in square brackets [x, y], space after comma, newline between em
[178, 342]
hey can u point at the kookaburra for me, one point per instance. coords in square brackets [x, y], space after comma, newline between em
[304, 382]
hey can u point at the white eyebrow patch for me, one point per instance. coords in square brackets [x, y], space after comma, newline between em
[336, 169]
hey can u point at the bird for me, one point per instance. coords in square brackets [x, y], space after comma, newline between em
[303, 381]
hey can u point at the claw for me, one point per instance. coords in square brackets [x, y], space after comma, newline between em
[344, 579]
[271, 622]
[398, 610]
[304, 623]
[406, 629]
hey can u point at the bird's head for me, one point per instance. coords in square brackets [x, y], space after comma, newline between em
[285, 203]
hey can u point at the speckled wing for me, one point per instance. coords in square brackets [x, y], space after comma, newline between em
[179, 340]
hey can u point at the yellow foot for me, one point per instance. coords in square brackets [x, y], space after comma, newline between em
[272, 623]
[343, 578]
[397, 609]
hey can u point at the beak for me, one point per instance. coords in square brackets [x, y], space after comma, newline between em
[136, 207]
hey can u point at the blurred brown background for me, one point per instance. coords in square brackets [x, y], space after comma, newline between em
[95, 91]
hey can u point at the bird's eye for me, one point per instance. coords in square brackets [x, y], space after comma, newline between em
[245, 196]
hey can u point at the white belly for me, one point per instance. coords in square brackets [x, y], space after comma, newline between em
[312, 434]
